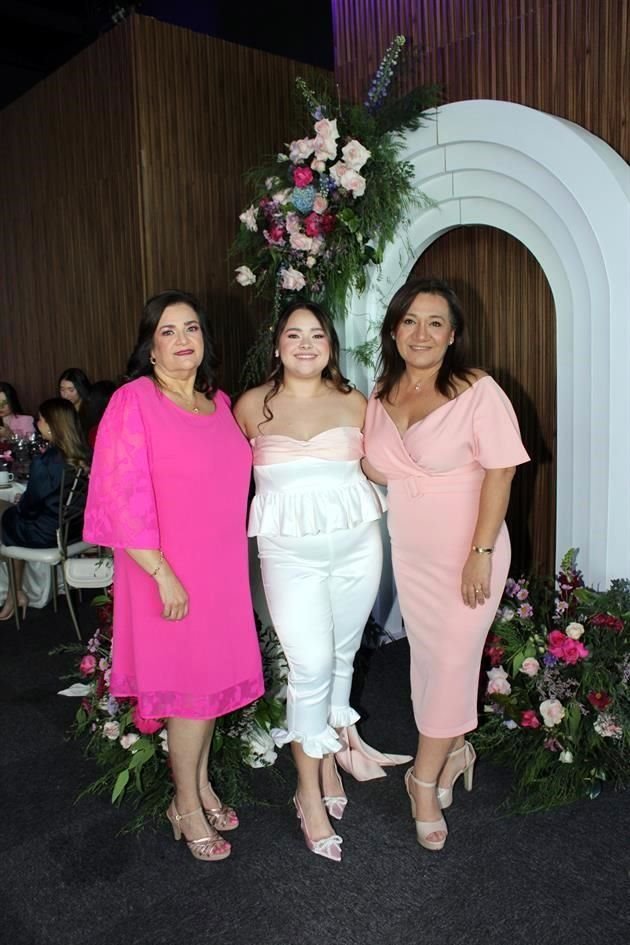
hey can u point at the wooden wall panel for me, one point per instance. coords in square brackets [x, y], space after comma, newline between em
[70, 263]
[566, 57]
[208, 111]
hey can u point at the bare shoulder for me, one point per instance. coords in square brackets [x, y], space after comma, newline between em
[249, 407]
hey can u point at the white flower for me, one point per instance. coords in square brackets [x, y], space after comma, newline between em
[316, 245]
[281, 158]
[318, 166]
[244, 275]
[552, 712]
[301, 149]
[301, 241]
[530, 666]
[163, 736]
[575, 631]
[271, 182]
[111, 730]
[248, 217]
[348, 179]
[282, 196]
[510, 724]
[498, 682]
[261, 746]
[292, 280]
[566, 757]
[355, 155]
[606, 726]
[310, 261]
[129, 739]
[326, 140]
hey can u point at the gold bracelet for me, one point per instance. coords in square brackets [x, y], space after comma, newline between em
[159, 565]
[482, 551]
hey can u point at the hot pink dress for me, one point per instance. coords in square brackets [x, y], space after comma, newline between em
[434, 475]
[165, 478]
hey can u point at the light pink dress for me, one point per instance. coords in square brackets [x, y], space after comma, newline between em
[434, 476]
[166, 478]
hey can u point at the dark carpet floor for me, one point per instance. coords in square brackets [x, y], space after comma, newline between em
[66, 877]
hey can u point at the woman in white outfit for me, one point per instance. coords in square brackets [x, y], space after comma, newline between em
[315, 516]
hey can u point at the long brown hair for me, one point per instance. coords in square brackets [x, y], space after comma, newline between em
[455, 364]
[331, 372]
[66, 431]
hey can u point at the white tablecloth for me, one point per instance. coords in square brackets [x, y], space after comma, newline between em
[37, 583]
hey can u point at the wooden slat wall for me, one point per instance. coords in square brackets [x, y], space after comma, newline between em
[70, 265]
[208, 110]
[566, 57]
[123, 175]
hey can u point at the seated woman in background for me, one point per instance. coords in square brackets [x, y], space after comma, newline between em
[32, 522]
[12, 420]
[74, 386]
[100, 395]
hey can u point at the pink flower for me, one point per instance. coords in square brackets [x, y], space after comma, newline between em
[292, 223]
[87, 664]
[301, 149]
[355, 155]
[146, 726]
[572, 651]
[530, 666]
[326, 140]
[319, 166]
[300, 242]
[555, 642]
[529, 719]
[498, 682]
[302, 176]
[275, 235]
[292, 280]
[320, 204]
[525, 611]
[317, 245]
[313, 225]
[523, 594]
[552, 712]
[128, 740]
[111, 730]
[552, 744]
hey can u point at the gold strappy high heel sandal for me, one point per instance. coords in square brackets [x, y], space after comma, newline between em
[425, 828]
[221, 817]
[212, 847]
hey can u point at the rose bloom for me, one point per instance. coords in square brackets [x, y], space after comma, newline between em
[301, 242]
[573, 650]
[292, 223]
[320, 204]
[575, 631]
[292, 280]
[530, 666]
[312, 225]
[498, 682]
[326, 140]
[310, 261]
[129, 739]
[111, 730]
[244, 276]
[301, 149]
[607, 620]
[552, 712]
[317, 246]
[319, 166]
[355, 155]
[599, 700]
[353, 183]
[146, 726]
[248, 217]
[529, 719]
[87, 664]
[302, 176]
[555, 641]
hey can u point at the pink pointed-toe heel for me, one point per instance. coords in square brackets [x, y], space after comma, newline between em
[445, 794]
[210, 848]
[336, 804]
[425, 828]
[328, 847]
[222, 817]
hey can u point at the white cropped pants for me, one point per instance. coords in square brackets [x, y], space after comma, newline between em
[320, 590]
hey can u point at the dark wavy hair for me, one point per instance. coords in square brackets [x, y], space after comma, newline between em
[80, 380]
[12, 397]
[331, 372]
[139, 364]
[455, 364]
[66, 430]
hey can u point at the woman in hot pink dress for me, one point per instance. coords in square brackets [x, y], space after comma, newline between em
[168, 492]
[445, 439]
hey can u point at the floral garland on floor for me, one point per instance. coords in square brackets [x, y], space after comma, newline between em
[557, 704]
[133, 751]
[329, 204]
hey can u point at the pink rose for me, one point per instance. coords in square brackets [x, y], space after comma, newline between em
[355, 155]
[572, 651]
[301, 149]
[319, 166]
[292, 280]
[111, 730]
[313, 225]
[128, 740]
[87, 664]
[552, 712]
[529, 719]
[555, 642]
[498, 682]
[292, 223]
[302, 176]
[326, 140]
[530, 666]
[146, 726]
[300, 242]
[320, 204]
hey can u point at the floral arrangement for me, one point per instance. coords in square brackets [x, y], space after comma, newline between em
[329, 204]
[133, 751]
[557, 706]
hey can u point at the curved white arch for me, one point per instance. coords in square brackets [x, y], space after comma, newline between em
[565, 194]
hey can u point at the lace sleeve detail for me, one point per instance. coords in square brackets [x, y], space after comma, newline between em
[121, 510]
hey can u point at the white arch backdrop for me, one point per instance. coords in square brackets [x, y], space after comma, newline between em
[565, 194]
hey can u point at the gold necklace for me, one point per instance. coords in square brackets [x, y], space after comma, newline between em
[188, 406]
[419, 386]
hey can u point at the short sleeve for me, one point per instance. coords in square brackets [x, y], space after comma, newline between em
[497, 437]
[121, 510]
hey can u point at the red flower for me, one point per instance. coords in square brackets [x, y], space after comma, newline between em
[529, 719]
[607, 620]
[275, 234]
[302, 176]
[599, 700]
[313, 224]
[146, 726]
[494, 651]
[87, 664]
[328, 222]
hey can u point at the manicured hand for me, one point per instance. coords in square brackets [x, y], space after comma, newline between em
[476, 579]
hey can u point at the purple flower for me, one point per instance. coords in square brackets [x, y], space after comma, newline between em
[549, 660]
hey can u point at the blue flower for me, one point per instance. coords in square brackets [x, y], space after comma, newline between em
[302, 198]
[549, 660]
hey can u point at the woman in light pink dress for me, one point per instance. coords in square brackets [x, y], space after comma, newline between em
[445, 439]
[168, 491]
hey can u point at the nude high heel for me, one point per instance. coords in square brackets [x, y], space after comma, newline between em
[22, 601]
[425, 828]
[445, 794]
[336, 804]
[221, 817]
[329, 847]
[212, 847]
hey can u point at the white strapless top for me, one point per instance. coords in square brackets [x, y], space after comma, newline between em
[308, 487]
